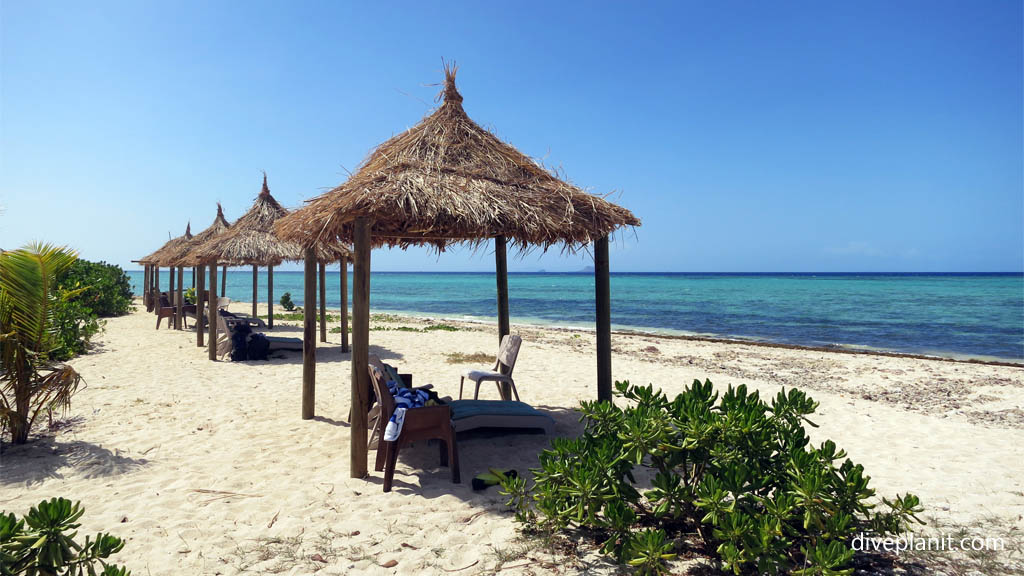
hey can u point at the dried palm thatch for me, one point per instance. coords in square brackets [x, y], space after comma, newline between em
[447, 180]
[251, 239]
[160, 256]
[184, 254]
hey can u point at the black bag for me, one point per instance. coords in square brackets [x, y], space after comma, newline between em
[258, 347]
[239, 341]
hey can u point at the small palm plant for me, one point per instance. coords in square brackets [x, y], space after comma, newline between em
[30, 382]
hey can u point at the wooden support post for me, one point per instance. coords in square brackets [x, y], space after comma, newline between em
[501, 272]
[211, 302]
[170, 284]
[145, 287]
[323, 301]
[224, 280]
[602, 293]
[360, 347]
[255, 285]
[195, 272]
[179, 316]
[270, 297]
[156, 283]
[200, 304]
[344, 304]
[309, 336]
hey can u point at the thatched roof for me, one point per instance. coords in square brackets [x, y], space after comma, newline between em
[251, 239]
[447, 180]
[184, 254]
[159, 257]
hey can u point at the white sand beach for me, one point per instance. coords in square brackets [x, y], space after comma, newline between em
[206, 467]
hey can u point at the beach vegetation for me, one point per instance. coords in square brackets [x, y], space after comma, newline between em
[190, 295]
[43, 542]
[103, 288]
[31, 381]
[286, 301]
[729, 473]
[474, 358]
[74, 325]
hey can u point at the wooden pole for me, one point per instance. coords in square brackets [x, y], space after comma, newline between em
[360, 347]
[501, 272]
[270, 297]
[344, 304]
[255, 285]
[179, 316]
[224, 280]
[323, 301]
[602, 292]
[212, 319]
[156, 283]
[200, 304]
[170, 283]
[195, 272]
[145, 287]
[309, 335]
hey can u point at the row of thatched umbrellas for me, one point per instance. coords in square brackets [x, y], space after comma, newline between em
[444, 181]
[250, 241]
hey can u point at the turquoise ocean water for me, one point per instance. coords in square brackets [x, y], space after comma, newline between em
[963, 315]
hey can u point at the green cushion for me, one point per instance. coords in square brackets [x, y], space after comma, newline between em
[391, 375]
[468, 408]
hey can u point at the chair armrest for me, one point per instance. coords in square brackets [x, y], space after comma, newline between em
[426, 417]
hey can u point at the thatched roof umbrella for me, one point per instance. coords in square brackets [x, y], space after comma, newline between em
[185, 255]
[152, 263]
[251, 241]
[447, 180]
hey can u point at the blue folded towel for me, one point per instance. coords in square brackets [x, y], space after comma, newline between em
[405, 398]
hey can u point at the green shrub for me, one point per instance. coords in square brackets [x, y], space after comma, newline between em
[739, 472]
[74, 325]
[190, 295]
[105, 288]
[286, 301]
[43, 543]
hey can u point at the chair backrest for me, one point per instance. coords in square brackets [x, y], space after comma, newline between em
[224, 343]
[223, 302]
[380, 388]
[509, 351]
[165, 302]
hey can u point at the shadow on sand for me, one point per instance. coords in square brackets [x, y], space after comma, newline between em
[48, 457]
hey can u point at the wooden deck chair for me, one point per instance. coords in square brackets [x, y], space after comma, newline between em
[507, 354]
[165, 310]
[277, 343]
[425, 423]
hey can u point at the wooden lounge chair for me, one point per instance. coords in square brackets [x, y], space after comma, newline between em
[507, 354]
[466, 414]
[425, 423]
[373, 420]
[225, 345]
[165, 310]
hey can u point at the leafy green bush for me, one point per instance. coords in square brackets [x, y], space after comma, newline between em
[42, 542]
[74, 325]
[105, 288]
[190, 295]
[286, 301]
[737, 471]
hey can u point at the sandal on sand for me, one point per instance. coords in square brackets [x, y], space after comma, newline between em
[492, 477]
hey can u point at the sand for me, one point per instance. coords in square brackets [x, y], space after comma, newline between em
[206, 468]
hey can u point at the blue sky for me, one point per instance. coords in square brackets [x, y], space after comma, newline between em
[792, 136]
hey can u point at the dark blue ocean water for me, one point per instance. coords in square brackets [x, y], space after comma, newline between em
[976, 315]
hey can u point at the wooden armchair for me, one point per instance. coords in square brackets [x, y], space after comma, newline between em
[425, 423]
[165, 310]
